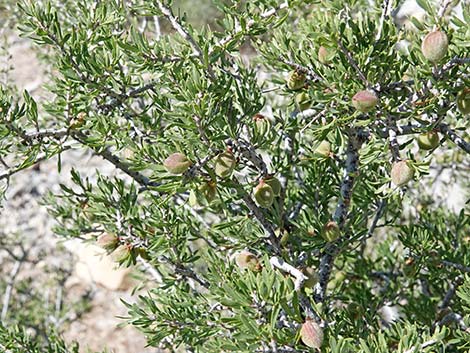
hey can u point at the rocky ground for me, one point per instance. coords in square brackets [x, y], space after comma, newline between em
[96, 327]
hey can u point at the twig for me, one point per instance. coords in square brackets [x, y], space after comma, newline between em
[248, 152]
[6, 297]
[422, 346]
[300, 68]
[41, 157]
[385, 14]
[279, 263]
[392, 139]
[456, 266]
[151, 270]
[184, 33]
[251, 22]
[353, 63]
[443, 8]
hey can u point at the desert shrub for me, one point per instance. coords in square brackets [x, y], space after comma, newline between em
[288, 200]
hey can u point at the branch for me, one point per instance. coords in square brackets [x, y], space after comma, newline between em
[258, 213]
[456, 266]
[356, 139]
[452, 135]
[118, 163]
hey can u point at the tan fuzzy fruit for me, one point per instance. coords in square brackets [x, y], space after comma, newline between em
[275, 184]
[264, 194]
[434, 46]
[296, 80]
[225, 164]
[121, 253]
[302, 101]
[331, 231]
[208, 190]
[463, 101]
[108, 241]
[177, 163]
[247, 260]
[311, 334]
[323, 149]
[365, 101]
[402, 173]
[325, 55]
[428, 141]
[312, 277]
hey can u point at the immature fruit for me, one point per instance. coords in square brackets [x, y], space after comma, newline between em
[323, 149]
[177, 163]
[355, 310]
[311, 334]
[402, 173]
[208, 190]
[428, 141]
[108, 241]
[225, 164]
[296, 80]
[331, 231]
[275, 184]
[302, 101]
[261, 128]
[364, 101]
[247, 260]
[312, 277]
[434, 46]
[77, 122]
[463, 101]
[325, 55]
[264, 195]
[121, 253]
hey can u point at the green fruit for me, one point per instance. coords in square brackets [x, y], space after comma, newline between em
[428, 141]
[325, 55]
[463, 101]
[323, 149]
[275, 184]
[402, 172]
[108, 241]
[364, 101]
[296, 80]
[264, 195]
[247, 260]
[177, 163]
[302, 101]
[434, 46]
[225, 164]
[312, 277]
[261, 129]
[331, 231]
[311, 334]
